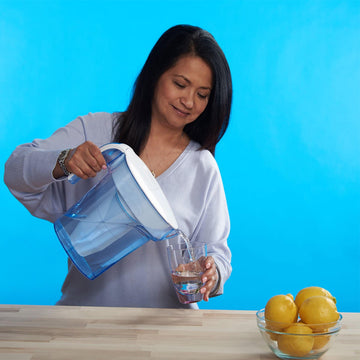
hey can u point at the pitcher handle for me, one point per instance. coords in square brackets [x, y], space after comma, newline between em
[110, 152]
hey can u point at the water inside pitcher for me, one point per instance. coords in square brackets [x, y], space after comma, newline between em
[122, 212]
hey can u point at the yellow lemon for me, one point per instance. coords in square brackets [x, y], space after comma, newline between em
[296, 345]
[321, 340]
[281, 308]
[312, 291]
[318, 310]
[280, 312]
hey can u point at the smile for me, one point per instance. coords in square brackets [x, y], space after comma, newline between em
[180, 113]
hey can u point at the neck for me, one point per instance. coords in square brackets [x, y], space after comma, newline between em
[162, 148]
[162, 138]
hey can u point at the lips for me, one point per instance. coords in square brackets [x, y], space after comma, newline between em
[180, 112]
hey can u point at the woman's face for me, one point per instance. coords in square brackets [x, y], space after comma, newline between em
[182, 92]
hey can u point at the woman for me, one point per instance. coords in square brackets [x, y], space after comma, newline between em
[179, 111]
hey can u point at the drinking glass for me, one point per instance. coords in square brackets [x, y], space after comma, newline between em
[187, 264]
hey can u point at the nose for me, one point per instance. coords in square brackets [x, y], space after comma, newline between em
[187, 100]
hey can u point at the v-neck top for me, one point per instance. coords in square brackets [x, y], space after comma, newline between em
[192, 186]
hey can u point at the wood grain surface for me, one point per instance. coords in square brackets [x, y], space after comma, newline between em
[99, 333]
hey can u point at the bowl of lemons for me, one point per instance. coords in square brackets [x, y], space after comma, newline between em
[300, 328]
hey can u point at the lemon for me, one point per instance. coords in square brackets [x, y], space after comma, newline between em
[321, 340]
[281, 308]
[312, 291]
[296, 345]
[280, 312]
[318, 310]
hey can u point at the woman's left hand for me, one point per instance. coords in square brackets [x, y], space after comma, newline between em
[209, 277]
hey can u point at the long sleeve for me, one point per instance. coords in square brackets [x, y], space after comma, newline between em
[28, 171]
[214, 228]
[195, 191]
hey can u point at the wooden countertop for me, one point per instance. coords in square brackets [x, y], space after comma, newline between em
[99, 333]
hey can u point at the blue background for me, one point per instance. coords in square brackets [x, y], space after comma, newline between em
[290, 159]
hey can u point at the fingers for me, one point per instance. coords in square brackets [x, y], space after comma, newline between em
[181, 268]
[209, 277]
[86, 160]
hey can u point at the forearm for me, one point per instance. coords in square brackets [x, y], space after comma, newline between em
[29, 169]
[57, 171]
[224, 270]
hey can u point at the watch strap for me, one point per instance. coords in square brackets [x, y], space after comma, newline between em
[61, 161]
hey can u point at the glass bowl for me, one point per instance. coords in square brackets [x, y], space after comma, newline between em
[287, 345]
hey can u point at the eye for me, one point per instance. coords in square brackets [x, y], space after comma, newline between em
[179, 85]
[203, 96]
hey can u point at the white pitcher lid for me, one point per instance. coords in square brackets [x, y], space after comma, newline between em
[146, 181]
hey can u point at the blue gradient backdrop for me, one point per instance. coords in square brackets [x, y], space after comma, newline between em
[290, 159]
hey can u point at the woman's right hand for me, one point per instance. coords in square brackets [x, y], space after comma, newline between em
[85, 161]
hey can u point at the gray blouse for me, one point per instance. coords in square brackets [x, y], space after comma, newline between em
[192, 185]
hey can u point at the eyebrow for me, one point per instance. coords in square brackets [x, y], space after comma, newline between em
[189, 82]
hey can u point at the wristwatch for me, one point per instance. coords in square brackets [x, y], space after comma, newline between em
[61, 161]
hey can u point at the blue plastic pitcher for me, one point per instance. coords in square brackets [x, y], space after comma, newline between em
[123, 211]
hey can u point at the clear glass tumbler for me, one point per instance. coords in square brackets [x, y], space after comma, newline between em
[187, 264]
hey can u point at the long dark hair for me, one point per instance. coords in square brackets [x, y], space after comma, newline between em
[132, 127]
